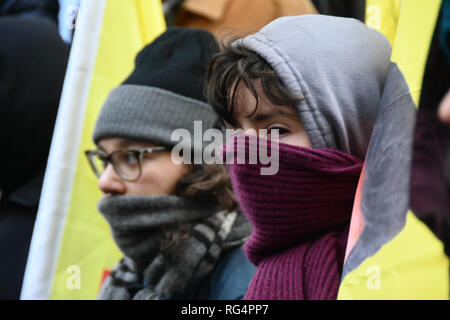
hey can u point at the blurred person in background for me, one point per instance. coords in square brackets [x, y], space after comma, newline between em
[176, 224]
[348, 8]
[31, 8]
[236, 16]
[61, 12]
[33, 60]
[444, 41]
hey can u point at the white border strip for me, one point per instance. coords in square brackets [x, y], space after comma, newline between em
[62, 162]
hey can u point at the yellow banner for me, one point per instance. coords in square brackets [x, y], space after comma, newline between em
[413, 264]
[87, 249]
[409, 26]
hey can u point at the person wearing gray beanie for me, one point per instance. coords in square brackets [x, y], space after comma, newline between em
[177, 225]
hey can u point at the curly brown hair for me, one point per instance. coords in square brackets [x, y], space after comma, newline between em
[208, 182]
[205, 183]
[234, 65]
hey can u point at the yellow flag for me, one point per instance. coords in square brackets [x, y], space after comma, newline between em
[411, 265]
[409, 26]
[72, 247]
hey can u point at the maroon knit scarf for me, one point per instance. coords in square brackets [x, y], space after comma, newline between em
[300, 219]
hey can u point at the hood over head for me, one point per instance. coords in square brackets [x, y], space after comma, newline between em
[337, 66]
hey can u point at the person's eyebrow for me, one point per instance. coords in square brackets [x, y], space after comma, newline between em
[121, 144]
[125, 144]
[262, 116]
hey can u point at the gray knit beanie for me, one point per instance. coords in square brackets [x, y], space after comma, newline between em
[164, 92]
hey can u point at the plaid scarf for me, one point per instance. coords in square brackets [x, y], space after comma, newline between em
[139, 225]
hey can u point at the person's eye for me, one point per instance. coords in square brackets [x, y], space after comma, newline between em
[127, 158]
[100, 159]
[281, 130]
[104, 162]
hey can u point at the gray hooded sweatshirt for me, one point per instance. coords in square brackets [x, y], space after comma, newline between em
[351, 93]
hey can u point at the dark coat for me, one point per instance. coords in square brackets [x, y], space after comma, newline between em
[430, 176]
[17, 215]
[31, 8]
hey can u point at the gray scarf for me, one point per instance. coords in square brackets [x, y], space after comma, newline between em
[138, 225]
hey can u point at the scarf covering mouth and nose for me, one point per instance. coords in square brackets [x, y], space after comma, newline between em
[138, 225]
[299, 217]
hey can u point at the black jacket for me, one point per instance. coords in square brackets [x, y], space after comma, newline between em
[33, 60]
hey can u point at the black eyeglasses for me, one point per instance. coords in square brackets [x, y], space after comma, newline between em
[126, 162]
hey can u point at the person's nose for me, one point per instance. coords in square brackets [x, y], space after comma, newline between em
[110, 183]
